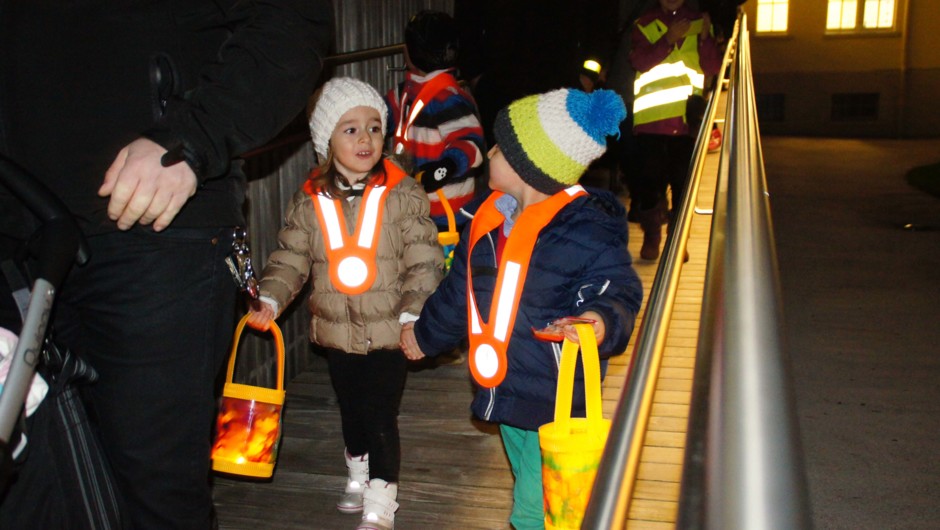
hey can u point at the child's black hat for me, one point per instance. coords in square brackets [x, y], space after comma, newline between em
[431, 39]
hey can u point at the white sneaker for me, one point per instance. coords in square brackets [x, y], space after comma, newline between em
[379, 506]
[358, 476]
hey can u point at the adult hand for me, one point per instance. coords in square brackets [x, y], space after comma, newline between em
[260, 316]
[678, 30]
[142, 190]
[706, 26]
[409, 344]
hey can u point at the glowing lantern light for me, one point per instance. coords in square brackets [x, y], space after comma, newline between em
[248, 425]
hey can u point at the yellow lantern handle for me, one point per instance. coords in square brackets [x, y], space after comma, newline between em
[592, 378]
[278, 343]
[450, 237]
[451, 223]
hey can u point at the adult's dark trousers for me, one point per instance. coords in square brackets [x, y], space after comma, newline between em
[154, 314]
[665, 164]
[369, 390]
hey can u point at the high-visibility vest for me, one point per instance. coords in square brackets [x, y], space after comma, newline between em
[489, 340]
[433, 86]
[662, 92]
[352, 258]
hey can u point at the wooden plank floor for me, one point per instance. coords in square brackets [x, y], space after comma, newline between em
[656, 492]
[454, 472]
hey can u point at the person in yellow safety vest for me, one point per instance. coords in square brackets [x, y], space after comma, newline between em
[673, 50]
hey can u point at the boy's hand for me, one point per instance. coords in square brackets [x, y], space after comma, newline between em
[260, 316]
[409, 344]
[571, 333]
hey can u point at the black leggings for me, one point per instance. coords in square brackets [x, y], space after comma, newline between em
[369, 390]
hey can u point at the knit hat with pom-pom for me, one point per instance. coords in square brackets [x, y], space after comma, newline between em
[335, 98]
[550, 139]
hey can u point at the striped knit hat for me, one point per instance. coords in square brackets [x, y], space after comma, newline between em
[550, 139]
[338, 96]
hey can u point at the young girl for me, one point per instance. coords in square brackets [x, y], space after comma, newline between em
[360, 229]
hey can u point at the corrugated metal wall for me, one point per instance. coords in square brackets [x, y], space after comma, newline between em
[274, 175]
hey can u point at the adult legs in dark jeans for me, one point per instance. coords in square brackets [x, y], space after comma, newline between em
[666, 162]
[154, 314]
[369, 390]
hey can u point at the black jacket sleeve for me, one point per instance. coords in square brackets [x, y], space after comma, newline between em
[261, 79]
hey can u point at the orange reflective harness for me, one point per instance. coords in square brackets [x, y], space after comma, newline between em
[489, 340]
[352, 258]
[436, 84]
[433, 86]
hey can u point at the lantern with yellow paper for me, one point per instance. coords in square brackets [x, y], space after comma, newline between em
[572, 447]
[248, 426]
[448, 240]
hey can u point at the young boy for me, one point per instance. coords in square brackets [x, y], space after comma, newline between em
[434, 120]
[539, 248]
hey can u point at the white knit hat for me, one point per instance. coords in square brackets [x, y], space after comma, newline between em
[337, 96]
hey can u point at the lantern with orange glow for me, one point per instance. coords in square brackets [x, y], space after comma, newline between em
[248, 425]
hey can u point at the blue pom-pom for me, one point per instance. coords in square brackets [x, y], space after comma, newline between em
[598, 113]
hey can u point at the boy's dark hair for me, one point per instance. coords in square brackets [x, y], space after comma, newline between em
[431, 39]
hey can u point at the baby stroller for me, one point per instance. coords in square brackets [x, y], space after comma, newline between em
[61, 479]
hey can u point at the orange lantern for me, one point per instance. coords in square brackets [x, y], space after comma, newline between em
[248, 425]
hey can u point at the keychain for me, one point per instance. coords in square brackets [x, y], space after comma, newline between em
[239, 263]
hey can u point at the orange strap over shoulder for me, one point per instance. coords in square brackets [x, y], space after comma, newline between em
[489, 341]
[433, 86]
[352, 258]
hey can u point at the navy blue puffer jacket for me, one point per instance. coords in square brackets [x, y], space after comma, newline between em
[580, 263]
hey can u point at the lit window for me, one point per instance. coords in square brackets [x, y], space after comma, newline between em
[879, 14]
[772, 16]
[845, 15]
[842, 14]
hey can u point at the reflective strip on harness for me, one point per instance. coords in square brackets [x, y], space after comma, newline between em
[352, 258]
[428, 90]
[489, 340]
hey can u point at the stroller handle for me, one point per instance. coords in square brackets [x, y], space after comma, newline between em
[61, 241]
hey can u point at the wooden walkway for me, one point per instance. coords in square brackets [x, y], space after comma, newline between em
[454, 472]
[656, 493]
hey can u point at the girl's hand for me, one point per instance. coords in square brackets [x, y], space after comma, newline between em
[260, 316]
[571, 333]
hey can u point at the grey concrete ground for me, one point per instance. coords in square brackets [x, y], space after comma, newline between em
[862, 308]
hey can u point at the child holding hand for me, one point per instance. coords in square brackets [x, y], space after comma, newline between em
[360, 230]
[540, 248]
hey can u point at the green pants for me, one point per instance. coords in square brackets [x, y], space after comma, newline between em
[525, 458]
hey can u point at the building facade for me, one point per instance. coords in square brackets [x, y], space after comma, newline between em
[846, 68]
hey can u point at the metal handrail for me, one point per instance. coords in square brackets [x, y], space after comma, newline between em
[753, 468]
[364, 55]
[332, 61]
[616, 475]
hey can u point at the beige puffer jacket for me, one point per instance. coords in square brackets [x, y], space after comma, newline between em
[409, 260]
